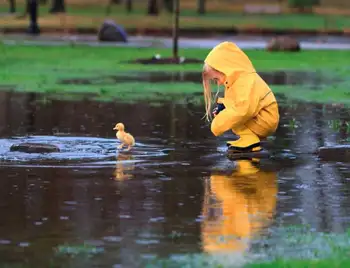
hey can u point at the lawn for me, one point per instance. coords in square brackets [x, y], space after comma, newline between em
[284, 247]
[91, 15]
[39, 69]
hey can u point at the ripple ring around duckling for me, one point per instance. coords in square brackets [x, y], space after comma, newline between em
[80, 152]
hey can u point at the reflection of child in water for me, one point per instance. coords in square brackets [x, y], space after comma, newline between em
[237, 207]
[248, 108]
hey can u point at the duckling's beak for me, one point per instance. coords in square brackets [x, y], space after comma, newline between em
[115, 128]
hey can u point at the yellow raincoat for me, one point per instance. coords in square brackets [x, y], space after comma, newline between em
[244, 204]
[251, 110]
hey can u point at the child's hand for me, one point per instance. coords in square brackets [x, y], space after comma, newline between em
[218, 109]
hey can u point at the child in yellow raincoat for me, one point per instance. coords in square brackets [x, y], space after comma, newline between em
[248, 108]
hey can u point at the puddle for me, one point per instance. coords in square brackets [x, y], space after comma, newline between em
[273, 78]
[74, 151]
[176, 194]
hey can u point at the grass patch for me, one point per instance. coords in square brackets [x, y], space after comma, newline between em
[38, 69]
[336, 263]
[197, 262]
[91, 14]
[290, 246]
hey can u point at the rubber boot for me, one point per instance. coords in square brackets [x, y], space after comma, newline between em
[247, 142]
[247, 167]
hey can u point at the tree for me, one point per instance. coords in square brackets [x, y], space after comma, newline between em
[153, 9]
[12, 6]
[129, 6]
[57, 6]
[33, 16]
[303, 5]
[169, 5]
[176, 29]
[117, 2]
[201, 6]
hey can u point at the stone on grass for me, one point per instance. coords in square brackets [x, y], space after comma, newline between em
[28, 147]
[283, 43]
[112, 32]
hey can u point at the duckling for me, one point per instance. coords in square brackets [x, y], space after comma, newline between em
[124, 137]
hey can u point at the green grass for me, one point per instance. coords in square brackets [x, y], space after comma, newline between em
[94, 14]
[336, 263]
[196, 263]
[289, 246]
[38, 69]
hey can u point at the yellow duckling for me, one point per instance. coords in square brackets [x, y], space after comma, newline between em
[124, 137]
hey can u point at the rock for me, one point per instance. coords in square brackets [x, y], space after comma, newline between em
[111, 32]
[34, 148]
[338, 153]
[262, 9]
[283, 43]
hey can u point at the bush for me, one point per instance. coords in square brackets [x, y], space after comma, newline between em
[303, 4]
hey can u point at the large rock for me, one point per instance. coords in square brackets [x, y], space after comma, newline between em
[111, 32]
[283, 43]
[28, 147]
[338, 153]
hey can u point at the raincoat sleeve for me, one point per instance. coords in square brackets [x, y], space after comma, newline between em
[241, 101]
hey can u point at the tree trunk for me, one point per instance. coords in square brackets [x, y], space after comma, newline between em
[33, 15]
[169, 5]
[12, 6]
[201, 6]
[176, 29]
[109, 5]
[129, 6]
[58, 6]
[153, 9]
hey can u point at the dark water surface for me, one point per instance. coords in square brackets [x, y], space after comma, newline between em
[176, 193]
[282, 77]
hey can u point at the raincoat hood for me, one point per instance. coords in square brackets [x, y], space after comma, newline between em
[229, 59]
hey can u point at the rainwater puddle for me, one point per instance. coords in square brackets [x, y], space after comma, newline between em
[74, 151]
[272, 78]
[176, 194]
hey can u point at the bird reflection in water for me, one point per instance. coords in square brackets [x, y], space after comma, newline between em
[123, 167]
[237, 206]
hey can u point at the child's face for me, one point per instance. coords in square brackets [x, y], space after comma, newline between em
[220, 80]
[218, 77]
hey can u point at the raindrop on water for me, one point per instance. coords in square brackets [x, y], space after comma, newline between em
[23, 244]
[114, 239]
[71, 202]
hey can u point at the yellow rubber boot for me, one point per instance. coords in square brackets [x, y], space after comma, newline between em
[248, 141]
[247, 167]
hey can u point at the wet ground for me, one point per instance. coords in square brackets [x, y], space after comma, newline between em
[243, 41]
[175, 193]
[313, 78]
